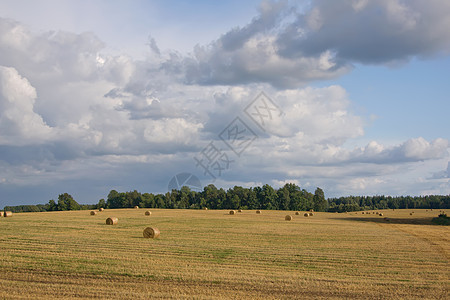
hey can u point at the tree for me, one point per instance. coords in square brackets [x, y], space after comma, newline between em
[52, 206]
[101, 203]
[66, 202]
[320, 204]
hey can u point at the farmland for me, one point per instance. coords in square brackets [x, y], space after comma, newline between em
[211, 254]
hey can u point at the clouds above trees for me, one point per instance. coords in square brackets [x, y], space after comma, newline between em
[67, 103]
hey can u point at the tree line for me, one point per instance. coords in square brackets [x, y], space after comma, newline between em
[288, 197]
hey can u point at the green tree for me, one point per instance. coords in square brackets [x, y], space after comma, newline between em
[101, 203]
[320, 203]
[66, 202]
[52, 206]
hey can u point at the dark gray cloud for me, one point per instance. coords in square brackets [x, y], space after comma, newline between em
[288, 48]
[373, 32]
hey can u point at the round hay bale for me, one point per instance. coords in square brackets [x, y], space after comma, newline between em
[151, 233]
[7, 214]
[101, 209]
[240, 210]
[311, 214]
[297, 213]
[205, 208]
[112, 221]
[288, 218]
[362, 213]
[232, 212]
[311, 210]
[410, 214]
[306, 215]
[93, 213]
[258, 211]
[148, 213]
[136, 207]
[1, 213]
[380, 214]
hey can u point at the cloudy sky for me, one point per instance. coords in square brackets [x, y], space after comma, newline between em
[351, 96]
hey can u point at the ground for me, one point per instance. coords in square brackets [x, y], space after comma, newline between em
[212, 255]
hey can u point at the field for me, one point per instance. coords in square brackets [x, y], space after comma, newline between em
[211, 254]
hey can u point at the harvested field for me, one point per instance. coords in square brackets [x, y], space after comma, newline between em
[212, 256]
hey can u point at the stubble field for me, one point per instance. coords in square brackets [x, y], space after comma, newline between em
[211, 255]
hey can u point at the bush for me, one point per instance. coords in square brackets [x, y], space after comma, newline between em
[442, 219]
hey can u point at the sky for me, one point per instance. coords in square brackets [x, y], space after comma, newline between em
[351, 96]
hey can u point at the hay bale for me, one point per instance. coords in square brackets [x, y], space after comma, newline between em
[1, 213]
[232, 212]
[205, 208]
[148, 213]
[136, 207]
[306, 215]
[93, 213]
[258, 211]
[112, 221]
[240, 210]
[311, 214]
[410, 214]
[311, 210]
[101, 209]
[288, 218]
[380, 214]
[7, 214]
[297, 213]
[151, 233]
[362, 213]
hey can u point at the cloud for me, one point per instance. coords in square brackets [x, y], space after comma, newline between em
[19, 123]
[442, 174]
[69, 112]
[371, 32]
[288, 46]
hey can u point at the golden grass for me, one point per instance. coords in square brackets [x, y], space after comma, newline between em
[211, 256]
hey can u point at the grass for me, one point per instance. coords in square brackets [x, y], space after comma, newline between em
[211, 254]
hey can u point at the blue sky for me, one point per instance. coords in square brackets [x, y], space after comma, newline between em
[101, 95]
